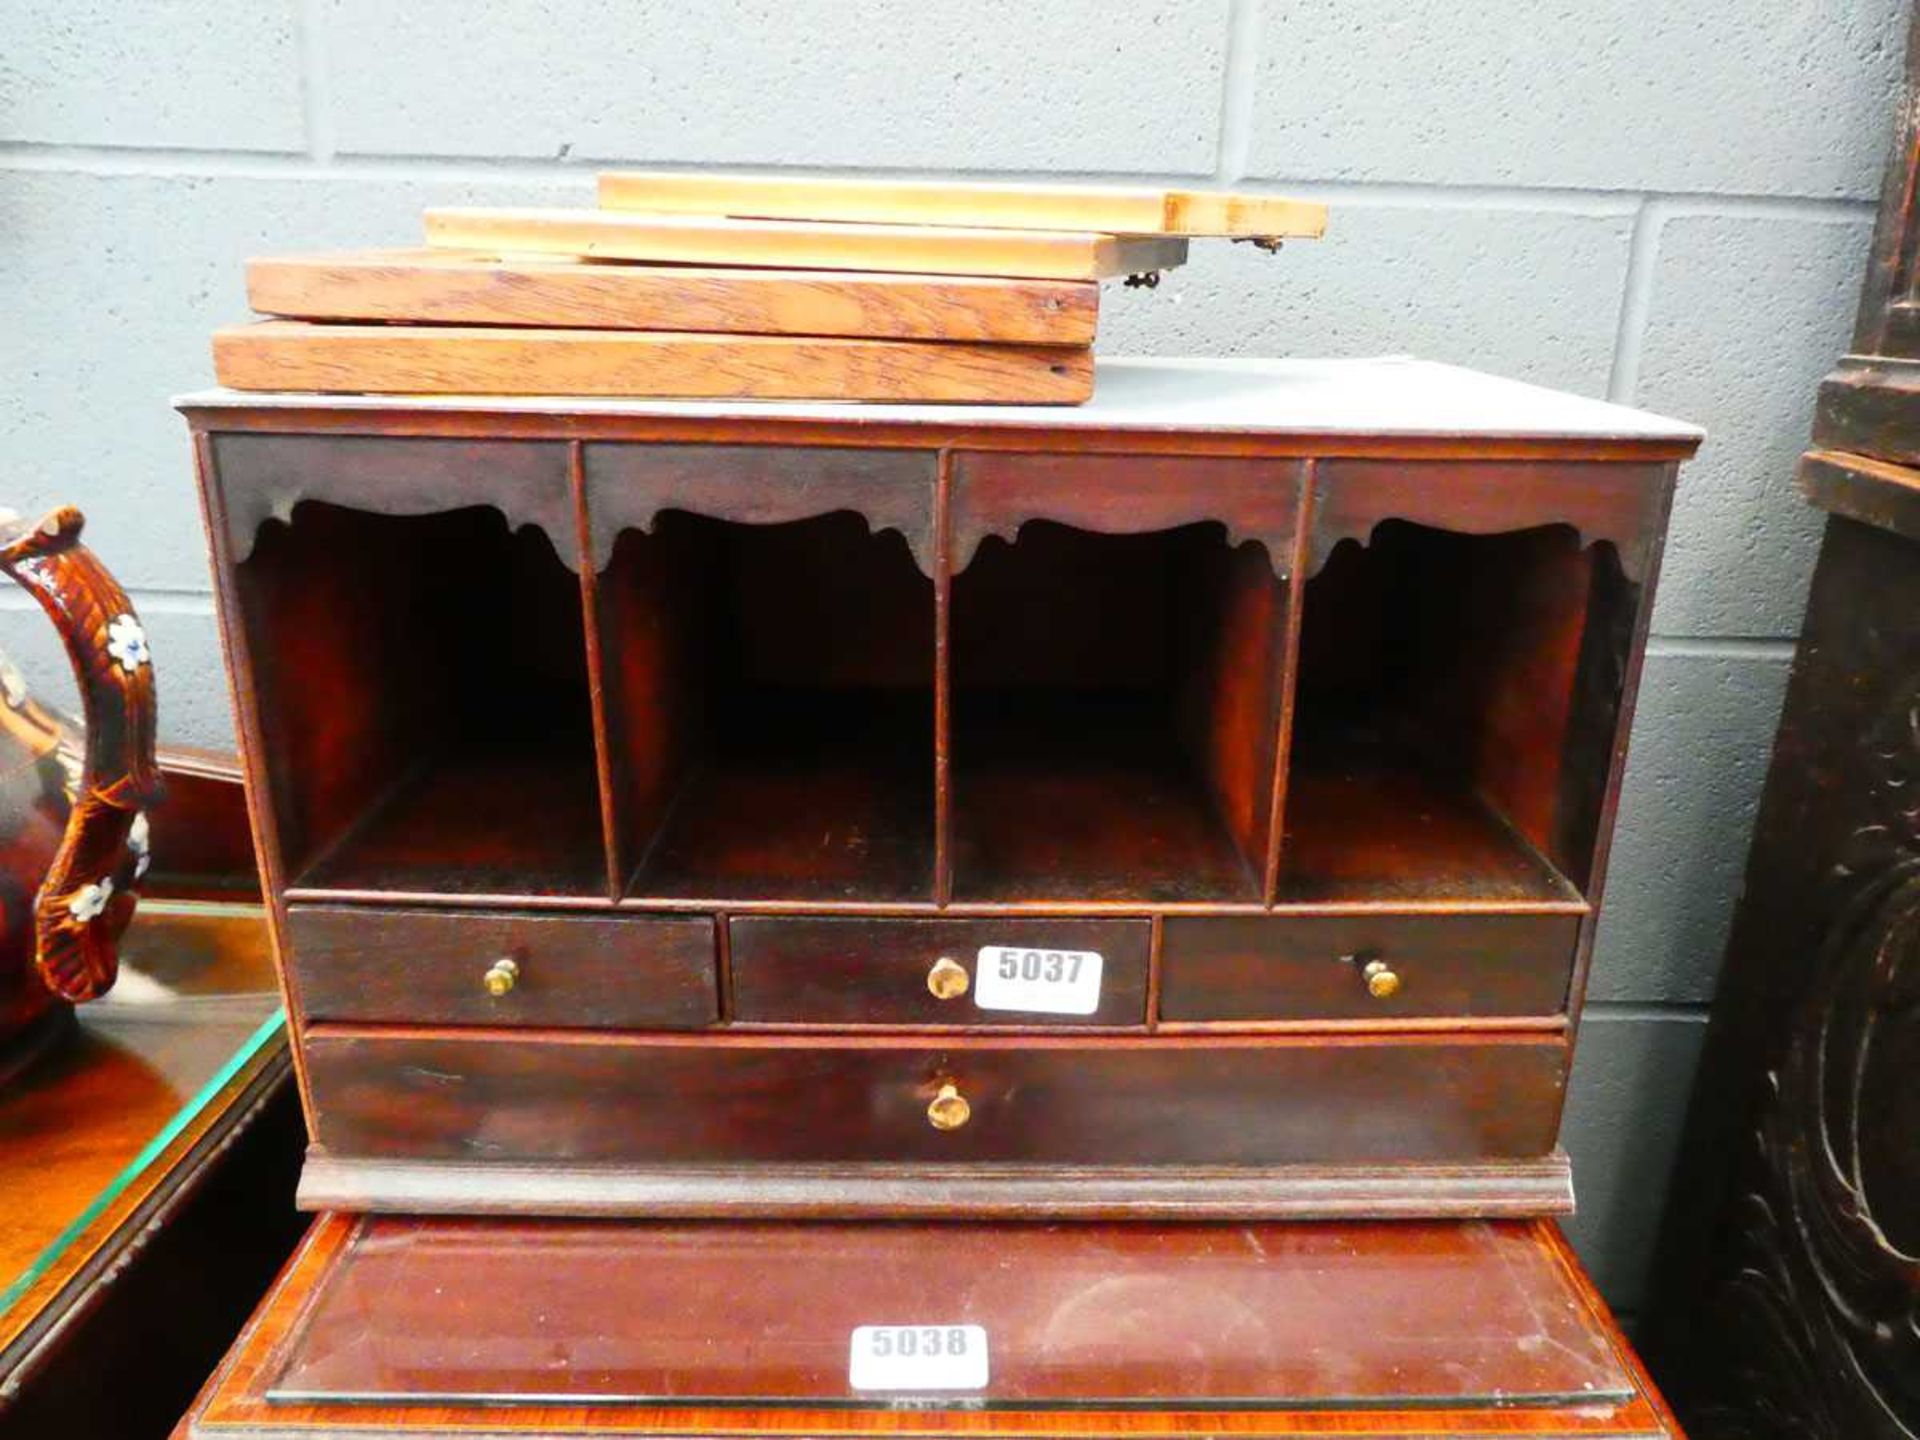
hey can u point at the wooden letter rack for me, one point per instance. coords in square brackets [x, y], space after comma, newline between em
[1193, 804]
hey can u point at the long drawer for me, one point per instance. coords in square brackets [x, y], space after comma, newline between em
[433, 967]
[1265, 1100]
[929, 972]
[1319, 967]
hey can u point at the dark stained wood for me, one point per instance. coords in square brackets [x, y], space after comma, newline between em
[159, 1319]
[1617, 504]
[1076, 1316]
[792, 970]
[1491, 667]
[973, 673]
[485, 819]
[1361, 828]
[1312, 967]
[995, 494]
[423, 727]
[204, 848]
[1067, 809]
[429, 967]
[942, 1190]
[1786, 1284]
[149, 1163]
[629, 485]
[264, 477]
[768, 691]
[1866, 406]
[1786, 1280]
[72, 1123]
[1862, 488]
[804, 798]
[426, 1095]
[1125, 688]
[1377, 1283]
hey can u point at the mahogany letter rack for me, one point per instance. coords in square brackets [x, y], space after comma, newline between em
[1189, 805]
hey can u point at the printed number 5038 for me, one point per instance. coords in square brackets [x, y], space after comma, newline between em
[910, 1340]
[918, 1357]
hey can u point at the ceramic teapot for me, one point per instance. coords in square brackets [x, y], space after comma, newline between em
[73, 821]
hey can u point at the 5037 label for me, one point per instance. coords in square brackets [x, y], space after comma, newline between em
[918, 1357]
[1036, 980]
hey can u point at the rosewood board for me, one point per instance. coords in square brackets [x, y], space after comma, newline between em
[454, 287]
[474, 360]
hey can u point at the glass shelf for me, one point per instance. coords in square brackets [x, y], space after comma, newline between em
[1079, 1316]
[93, 1126]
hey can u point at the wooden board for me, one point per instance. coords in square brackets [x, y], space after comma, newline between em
[459, 287]
[1119, 209]
[804, 245]
[446, 360]
[381, 1327]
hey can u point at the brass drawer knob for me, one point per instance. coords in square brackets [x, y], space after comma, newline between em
[500, 977]
[1382, 982]
[948, 979]
[949, 1109]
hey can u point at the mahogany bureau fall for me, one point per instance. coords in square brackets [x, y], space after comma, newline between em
[1193, 804]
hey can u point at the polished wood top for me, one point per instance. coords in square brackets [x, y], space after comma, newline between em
[99, 1132]
[384, 1325]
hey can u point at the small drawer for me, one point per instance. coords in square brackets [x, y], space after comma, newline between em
[1247, 1100]
[1339, 967]
[433, 967]
[927, 972]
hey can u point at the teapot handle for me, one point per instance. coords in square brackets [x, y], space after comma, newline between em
[87, 898]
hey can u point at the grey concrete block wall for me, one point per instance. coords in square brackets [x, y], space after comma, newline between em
[1659, 201]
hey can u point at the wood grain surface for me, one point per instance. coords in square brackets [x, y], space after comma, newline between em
[429, 967]
[1119, 209]
[1395, 1272]
[848, 971]
[580, 1097]
[1311, 967]
[460, 360]
[463, 288]
[805, 245]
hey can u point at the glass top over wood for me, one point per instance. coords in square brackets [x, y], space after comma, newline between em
[1074, 1316]
[94, 1128]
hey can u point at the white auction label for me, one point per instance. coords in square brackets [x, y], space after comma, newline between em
[918, 1357]
[1038, 981]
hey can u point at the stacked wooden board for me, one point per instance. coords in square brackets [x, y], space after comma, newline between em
[720, 285]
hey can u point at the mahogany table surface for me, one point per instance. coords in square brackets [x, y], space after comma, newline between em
[100, 1135]
[396, 1326]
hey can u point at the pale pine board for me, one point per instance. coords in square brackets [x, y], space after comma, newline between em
[459, 287]
[1115, 209]
[456, 360]
[803, 245]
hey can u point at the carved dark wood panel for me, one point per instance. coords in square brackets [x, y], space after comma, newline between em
[1791, 1263]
